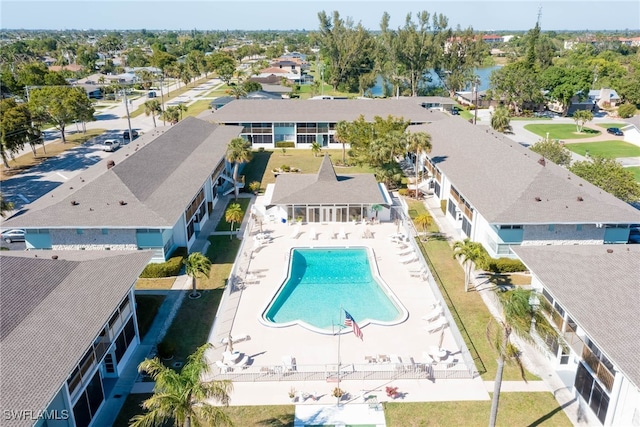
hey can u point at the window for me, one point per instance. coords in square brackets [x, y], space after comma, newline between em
[79, 231]
[592, 392]
[306, 139]
[105, 231]
[579, 227]
[262, 139]
[551, 227]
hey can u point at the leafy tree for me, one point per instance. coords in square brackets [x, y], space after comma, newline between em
[238, 151]
[518, 316]
[464, 52]
[552, 150]
[232, 215]
[136, 57]
[152, 107]
[5, 206]
[418, 142]
[414, 48]
[182, 397]
[500, 120]
[15, 129]
[581, 117]
[390, 174]
[196, 62]
[223, 64]
[609, 175]
[469, 253]
[626, 110]
[563, 84]
[196, 264]
[162, 60]
[348, 49]
[251, 86]
[62, 105]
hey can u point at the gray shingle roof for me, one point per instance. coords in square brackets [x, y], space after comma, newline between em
[502, 179]
[326, 110]
[325, 187]
[600, 290]
[51, 312]
[157, 183]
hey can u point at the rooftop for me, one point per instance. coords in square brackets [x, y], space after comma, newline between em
[502, 179]
[582, 277]
[51, 311]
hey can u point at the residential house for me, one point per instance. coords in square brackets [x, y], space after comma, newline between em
[492, 38]
[501, 194]
[68, 331]
[590, 294]
[325, 197]
[267, 123]
[157, 198]
[604, 97]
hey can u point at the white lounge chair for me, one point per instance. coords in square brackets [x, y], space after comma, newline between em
[342, 234]
[439, 324]
[223, 368]
[397, 361]
[289, 363]
[412, 257]
[433, 314]
[295, 232]
[313, 235]
[235, 339]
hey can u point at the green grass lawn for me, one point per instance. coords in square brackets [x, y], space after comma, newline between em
[635, 170]
[560, 131]
[516, 409]
[611, 125]
[155, 283]
[146, 309]
[609, 149]
[222, 253]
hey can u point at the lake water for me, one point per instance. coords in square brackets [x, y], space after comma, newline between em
[483, 73]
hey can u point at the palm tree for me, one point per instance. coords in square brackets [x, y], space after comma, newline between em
[316, 149]
[419, 142]
[519, 317]
[500, 120]
[423, 221]
[171, 114]
[238, 151]
[468, 252]
[233, 214]
[151, 108]
[196, 264]
[342, 132]
[581, 117]
[4, 206]
[181, 108]
[236, 90]
[182, 397]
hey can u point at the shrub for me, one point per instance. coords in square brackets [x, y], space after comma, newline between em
[285, 144]
[499, 265]
[626, 110]
[403, 192]
[169, 268]
[285, 168]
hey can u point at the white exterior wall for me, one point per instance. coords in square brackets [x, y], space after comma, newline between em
[180, 232]
[562, 234]
[627, 408]
[93, 239]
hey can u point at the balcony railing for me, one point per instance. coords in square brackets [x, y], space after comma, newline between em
[604, 375]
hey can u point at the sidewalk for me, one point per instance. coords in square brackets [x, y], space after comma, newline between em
[533, 360]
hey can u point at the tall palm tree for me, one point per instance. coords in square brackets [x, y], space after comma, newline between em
[423, 221]
[181, 108]
[500, 120]
[468, 252]
[151, 108]
[232, 215]
[342, 136]
[238, 151]
[418, 142]
[196, 264]
[518, 316]
[182, 397]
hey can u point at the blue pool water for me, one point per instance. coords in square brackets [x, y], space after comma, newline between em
[323, 280]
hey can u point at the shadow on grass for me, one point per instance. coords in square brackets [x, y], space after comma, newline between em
[278, 422]
[255, 169]
[549, 415]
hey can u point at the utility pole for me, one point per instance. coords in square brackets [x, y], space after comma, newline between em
[475, 111]
[126, 106]
[162, 98]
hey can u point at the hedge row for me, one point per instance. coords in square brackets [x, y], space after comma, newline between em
[499, 265]
[169, 268]
[285, 144]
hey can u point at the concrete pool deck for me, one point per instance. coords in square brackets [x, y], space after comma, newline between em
[240, 312]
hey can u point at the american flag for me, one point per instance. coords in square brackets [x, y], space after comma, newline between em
[350, 322]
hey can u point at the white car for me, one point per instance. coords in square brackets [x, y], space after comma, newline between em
[15, 235]
[110, 145]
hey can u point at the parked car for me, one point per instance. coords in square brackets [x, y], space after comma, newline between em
[634, 234]
[125, 134]
[455, 111]
[110, 145]
[14, 235]
[615, 131]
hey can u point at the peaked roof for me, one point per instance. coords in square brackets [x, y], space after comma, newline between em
[599, 286]
[156, 183]
[325, 187]
[50, 312]
[502, 179]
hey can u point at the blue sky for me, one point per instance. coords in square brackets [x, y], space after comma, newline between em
[302, 14]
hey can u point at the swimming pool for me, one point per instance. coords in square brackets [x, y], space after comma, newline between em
[321, 281]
